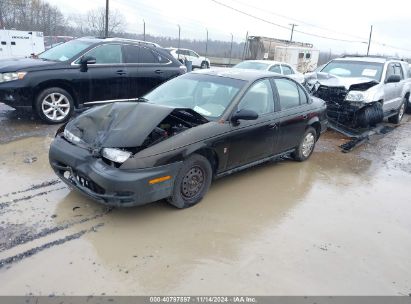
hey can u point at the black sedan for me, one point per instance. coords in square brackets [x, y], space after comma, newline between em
[174, 141]
[84, 72]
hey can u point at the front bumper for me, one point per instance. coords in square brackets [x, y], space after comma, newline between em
[16, 95]
[109, 185]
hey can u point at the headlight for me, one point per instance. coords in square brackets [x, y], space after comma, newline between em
[4, 77]
[71, 137]
[116, 155]
[356, 96]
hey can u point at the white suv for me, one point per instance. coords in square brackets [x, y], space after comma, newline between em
[185, 54]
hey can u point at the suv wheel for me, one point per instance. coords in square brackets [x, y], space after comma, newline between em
[398, 117]
[204, 65]
[192, 182]
[54, 105]
[306, 146]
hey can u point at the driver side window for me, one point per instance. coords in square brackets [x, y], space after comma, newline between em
[259, 98]
[107, 54]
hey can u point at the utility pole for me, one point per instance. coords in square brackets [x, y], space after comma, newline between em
[106, 23]
[292, 31]
[144, 30]
[179, 33]
[245, 46]
[369, 42]
[231, 48]
[206, 44]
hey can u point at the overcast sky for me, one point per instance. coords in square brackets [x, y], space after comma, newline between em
[347, 20]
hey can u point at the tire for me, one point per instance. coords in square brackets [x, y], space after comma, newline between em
[369, 116]
[195, 168]
[398, 117]
[306, 146]
[204, 65]
[54, 105]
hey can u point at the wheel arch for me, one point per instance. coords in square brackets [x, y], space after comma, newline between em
[65, 85]
[315, 123]
[210, 155]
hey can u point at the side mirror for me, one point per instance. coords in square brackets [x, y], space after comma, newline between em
[244, 114]
[84, 61]
[393, 79]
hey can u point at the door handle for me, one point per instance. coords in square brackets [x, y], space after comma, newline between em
[121, 72]
[273, 126]
[158, 71]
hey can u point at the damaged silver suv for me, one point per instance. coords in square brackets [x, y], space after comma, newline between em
[362, 91]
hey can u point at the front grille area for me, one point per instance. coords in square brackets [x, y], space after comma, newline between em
[331, 94]
[75, 177]
[87, 183]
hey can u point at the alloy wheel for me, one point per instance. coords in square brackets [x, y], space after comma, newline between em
[55, 106]
[401, 112]
[308, 144]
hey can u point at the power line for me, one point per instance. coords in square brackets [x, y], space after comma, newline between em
[299, 21]
[306, 33]
[282, 26]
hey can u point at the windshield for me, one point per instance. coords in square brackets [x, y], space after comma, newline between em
[206, 94]
[65, 51]
[252, 65]
[344, 68]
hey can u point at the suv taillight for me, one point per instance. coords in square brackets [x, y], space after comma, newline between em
[183, 69]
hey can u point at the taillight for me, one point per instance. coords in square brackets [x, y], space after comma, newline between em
[183, 69]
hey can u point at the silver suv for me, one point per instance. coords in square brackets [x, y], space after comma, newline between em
[362, 91]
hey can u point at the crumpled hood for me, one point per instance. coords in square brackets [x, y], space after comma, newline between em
[121, 124]
[336, 81]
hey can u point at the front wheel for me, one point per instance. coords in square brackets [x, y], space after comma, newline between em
[398, 117]
[54, 105]
[192, 182]
[306, 145]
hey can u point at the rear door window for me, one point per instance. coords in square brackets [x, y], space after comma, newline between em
[288, 92]
[276, 69]
[287, 70]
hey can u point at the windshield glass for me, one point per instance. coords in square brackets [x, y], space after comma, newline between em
[344, 68]
[65, 51]
[206, 94]
[252, 65]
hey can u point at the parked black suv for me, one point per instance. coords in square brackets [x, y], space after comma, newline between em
[83, 72]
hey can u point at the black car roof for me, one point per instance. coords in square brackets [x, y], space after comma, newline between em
[235, 73]
[113, 39]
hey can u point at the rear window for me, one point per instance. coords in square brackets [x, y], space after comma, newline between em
[140, 54]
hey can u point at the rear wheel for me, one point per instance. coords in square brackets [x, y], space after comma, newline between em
[306, 146]
[54, 105]
[204, 65]
[192, 182]
[398, 117]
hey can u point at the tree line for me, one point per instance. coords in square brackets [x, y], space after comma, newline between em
[39, 15]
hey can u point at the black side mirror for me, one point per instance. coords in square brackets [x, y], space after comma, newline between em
[84, 61]
[244, 114]
[393, 78]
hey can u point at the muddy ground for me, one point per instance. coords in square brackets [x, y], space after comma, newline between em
[338, 224]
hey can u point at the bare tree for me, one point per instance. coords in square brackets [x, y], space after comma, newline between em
[96, 21]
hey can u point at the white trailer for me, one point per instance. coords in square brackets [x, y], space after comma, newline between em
[15, 44]
[301, 58]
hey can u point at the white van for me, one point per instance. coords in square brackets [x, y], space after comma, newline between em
[14, 44]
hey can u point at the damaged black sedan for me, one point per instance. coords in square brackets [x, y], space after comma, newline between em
[174, 141]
